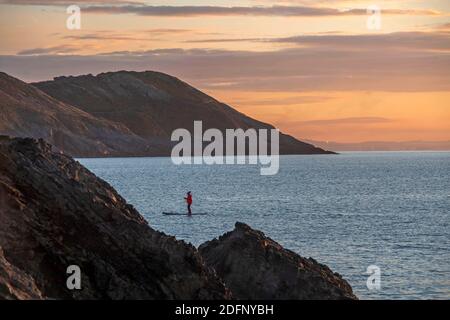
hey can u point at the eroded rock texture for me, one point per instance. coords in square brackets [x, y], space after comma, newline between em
[254, 266]
[55, 213]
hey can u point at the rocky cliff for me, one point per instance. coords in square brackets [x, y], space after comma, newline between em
[55, 213]
[254, 266]
[26, 111]
[153, 104]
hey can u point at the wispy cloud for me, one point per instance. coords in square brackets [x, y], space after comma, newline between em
[68, 2]
[398, 40]
[219, 40]
[324, 64]
[346, 121]
[285, 101]
[98, 36]
[444, 26]
[294, 11]
[168, 31]
[139, 7]
[412, 40]
[48, 51]
[134, 35]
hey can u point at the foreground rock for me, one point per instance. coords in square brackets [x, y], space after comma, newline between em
[254, 266]
[55, 213]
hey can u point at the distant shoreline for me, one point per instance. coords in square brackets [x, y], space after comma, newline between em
[282, 155]
[383, 145]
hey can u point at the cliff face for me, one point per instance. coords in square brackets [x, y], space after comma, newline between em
[153, 104]
[254, 266]
[55, 213]
[25, 111]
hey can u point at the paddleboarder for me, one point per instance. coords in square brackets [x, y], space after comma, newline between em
[188, 199]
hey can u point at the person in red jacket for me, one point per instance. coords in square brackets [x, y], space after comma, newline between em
[188, 199]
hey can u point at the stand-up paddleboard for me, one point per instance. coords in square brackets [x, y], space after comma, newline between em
[183, 214]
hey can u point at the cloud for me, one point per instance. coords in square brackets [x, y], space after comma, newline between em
[140, 8]
[48, 50]
[97, 36]
[444, 26]
[399, 40]
[137, 35]
[293, 11]
[168, 31]
[346, 121]
[324, 64]
[67, 2]
[422, 41]
[296, 100]
[218, 40]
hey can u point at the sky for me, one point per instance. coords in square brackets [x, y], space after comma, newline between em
[325, 70]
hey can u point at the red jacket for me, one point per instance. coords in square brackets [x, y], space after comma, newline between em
[189, 199]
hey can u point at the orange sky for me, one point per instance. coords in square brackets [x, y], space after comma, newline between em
[309, 67]
[351, 116]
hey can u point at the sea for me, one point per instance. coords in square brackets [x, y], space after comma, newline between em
[380, 219]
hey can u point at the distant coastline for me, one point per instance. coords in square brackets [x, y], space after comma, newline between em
[382, 145]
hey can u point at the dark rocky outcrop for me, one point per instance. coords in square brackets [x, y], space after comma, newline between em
[153, 104]
[254, 266]
[55, 213]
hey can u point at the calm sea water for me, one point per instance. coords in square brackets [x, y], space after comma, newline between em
[347, 211]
